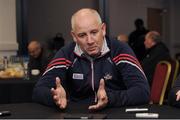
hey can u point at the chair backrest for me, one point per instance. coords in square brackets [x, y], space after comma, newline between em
[174, 72]
[160, 81]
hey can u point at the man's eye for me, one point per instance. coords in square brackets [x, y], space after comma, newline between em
[81, 35]
[94, 32]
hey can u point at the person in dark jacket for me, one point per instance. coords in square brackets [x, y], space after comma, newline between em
[136, 39]
[56, 43]
[157, 51]
[39, 59]
[174, 94]
[93, 69]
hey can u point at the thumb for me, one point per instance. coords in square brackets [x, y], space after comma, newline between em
[102, 84]
[58, 82]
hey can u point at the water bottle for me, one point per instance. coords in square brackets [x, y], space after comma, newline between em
[5, 62]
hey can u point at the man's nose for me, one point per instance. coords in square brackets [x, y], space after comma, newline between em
[89, 39]
[32, 53]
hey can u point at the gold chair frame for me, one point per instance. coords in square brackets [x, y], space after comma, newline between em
[175, 72]
[166, 80]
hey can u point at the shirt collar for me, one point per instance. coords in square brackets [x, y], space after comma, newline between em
[105, 49]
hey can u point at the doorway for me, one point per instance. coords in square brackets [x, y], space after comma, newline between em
[155, 19]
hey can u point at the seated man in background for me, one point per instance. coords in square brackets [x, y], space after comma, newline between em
[38, 60]
[92, 69]
[156, 52]
[122, 38]
[174, 95]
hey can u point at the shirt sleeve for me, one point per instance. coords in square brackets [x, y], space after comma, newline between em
[136, 90]
[56, 68]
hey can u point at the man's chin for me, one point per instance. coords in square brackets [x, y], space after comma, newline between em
[35, 57]
[94, 54]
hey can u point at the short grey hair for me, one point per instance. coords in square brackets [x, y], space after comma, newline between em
[85, 10]
[154, 35]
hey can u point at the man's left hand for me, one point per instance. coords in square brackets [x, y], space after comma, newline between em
[178, 96]
[101, 96]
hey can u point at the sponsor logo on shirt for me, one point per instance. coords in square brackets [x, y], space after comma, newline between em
[78, 76]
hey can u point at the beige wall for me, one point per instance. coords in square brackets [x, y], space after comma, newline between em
[122, 14]
[8, 44]
[47, 17]
[174, 26]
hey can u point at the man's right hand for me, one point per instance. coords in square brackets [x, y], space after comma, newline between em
[59, 94]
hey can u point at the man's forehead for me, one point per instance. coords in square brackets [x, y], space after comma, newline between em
[86, 24]
[33, 47]
[80, 30]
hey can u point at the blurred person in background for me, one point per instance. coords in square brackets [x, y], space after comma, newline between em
[136, 39]
[156, 52]
[38, 58]
[56, 43]
[123, 38]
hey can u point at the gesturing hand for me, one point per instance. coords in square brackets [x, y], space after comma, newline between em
[59, 94]
[102, 97]
[178, 96]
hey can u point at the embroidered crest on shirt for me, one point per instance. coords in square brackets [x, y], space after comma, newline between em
[107, 76]
[78, 76]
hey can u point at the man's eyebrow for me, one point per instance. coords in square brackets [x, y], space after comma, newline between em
[94, 30]
[83, 33]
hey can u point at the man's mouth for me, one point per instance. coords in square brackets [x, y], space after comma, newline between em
[92, 49]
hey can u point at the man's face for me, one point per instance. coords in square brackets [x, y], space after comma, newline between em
[148, 42]
[34, 50]
[89, 35]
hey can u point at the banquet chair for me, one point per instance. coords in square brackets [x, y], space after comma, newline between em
[160, 82]
[174, 72]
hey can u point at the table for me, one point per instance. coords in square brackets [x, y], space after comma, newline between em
[16, 90]
[38, 111]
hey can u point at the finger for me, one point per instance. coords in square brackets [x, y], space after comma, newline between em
[58, 82]
[53, 91]
[55, 97]
[101, 91]
[98, 106]
[101, 84]
[178, 98]
[93, 107]
[177, 93]
[60, 104]
[63, 104]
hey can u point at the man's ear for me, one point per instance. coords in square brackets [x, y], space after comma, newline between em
[73, 36]
[103, 27]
